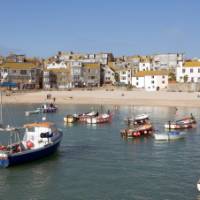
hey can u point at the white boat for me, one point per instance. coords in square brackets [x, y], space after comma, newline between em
[138, 119]
[198, 185]
[40, 140]
[171, 135]
[27, 113]
[141, 117]
[102, 118]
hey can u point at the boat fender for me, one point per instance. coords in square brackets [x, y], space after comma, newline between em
[2, 147]
[29, 144]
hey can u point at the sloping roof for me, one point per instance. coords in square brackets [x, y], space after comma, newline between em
[151, 73]
[92, 65]
[59, 70]
[192, 63]
[39, 124]
[15, 65]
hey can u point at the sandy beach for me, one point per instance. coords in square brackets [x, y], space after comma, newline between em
[116, 97]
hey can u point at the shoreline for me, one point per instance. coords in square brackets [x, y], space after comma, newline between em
[117, 97]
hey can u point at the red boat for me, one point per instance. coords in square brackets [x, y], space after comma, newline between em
[142, 130]
[83, 117]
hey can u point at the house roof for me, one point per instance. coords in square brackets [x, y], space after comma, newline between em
[92, 65]
[59, 70]
[192, 63]
[39, 124]
[15, 65]
[151, 73]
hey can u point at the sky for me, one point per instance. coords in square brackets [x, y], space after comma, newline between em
[41, 28]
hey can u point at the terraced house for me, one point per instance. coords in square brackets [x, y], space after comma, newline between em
[27, 74]
[92, 74]
[57, 75]
[188, 71]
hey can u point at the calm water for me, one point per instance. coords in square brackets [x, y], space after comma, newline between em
[94, 162]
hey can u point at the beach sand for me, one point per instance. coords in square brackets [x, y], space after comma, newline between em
[116, 97]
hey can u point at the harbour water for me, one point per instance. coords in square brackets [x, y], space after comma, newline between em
[94, 162]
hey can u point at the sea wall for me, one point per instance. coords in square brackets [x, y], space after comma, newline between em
[184, 87]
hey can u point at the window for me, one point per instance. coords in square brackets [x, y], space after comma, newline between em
[192, 79]
[137, 83]
[198, 70]
[23, 72]
[163, 82]
[163, 76]
[183, 70]
[191, 70]
[152, 76]
[136, 78]
[152, 82]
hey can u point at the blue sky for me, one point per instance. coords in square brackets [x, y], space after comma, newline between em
[124, 27]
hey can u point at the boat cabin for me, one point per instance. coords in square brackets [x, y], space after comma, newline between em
[38, 134]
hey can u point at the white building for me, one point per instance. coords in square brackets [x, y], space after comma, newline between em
[145, 66]
[150, 80]
[189, 71]
[57, 65]
[125, 76]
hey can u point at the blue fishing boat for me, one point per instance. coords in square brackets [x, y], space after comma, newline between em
[39, 140]
[48, 108]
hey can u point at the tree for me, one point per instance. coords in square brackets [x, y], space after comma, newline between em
[172, 76]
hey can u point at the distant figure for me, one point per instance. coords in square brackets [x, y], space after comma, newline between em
[108, 112]
[176, 111]
[54, 99]
[192, 117]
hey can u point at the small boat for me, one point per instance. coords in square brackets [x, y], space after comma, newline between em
[83, 117]
[102, 118]
[137, 120]
[70, 118]
[187, 122]
[141, 117]
[175, 125]
[40, 140]
[141, 130]
[48, 108]
[170, 135]
[198, 185]
[37, 111]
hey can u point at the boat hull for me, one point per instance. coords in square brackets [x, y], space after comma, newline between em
[31, 155]
[99, 119]
[169, 136]
[198, 186]
[69, 119]
[138, 132]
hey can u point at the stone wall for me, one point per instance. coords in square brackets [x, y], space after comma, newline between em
[184, 87]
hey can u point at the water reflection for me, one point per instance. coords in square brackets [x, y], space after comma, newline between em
[139, 140]
[66, 124]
